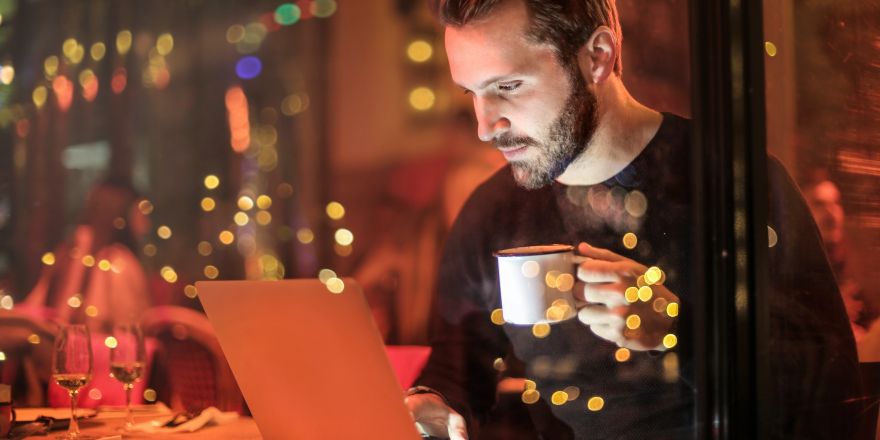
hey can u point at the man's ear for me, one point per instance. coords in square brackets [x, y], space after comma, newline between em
[598, 55]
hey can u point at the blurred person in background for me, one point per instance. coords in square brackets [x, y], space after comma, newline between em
[97, 277]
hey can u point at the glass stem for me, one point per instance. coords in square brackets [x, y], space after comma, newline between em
[129, 418]
[73, 429]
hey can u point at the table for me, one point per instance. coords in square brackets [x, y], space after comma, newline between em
[106, 425]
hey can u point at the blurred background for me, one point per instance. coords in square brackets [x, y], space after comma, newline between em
[270, 139]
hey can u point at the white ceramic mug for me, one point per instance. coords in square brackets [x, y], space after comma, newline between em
[536, 283]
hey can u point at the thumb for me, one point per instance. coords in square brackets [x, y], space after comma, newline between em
[598, 253]
[456, 427]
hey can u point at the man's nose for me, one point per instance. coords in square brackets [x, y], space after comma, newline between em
[490, 121]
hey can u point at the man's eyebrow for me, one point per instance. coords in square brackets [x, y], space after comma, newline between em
[489, 81]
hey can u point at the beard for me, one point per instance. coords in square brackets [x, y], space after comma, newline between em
[567, 138]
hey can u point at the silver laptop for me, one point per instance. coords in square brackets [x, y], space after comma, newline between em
[310, 363]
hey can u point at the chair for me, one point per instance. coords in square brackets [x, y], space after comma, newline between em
[191, 372]
[26, 344]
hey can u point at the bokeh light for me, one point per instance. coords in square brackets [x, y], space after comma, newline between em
[164, 232]
[211, 181]
[263, 218]
[559, 397]
[595, 403]
[670, 341]
[208, 204]
[211, 272]
[264, 202]
[248, 67]
[235, 33]
[190, 291]
[39, 96]
[145, 207]
[97, 51]
[344, 237]
[165, 44]
[622, 354]
[48, 258]
[541, 330]
[770, 48]
[422, 98]
[335, 285]
[205, 248]
[245, 203]
[305, 235]
[497, 317]
[630, 240]
[168, 274]
[530, 269]
[123, 42]
[111, 342]
[287, 14]
[226, 237]
[323, 8]
[240, 218]
[530, 396]
[50, 66]
[335, 210]
[419, 51]
[7, 74]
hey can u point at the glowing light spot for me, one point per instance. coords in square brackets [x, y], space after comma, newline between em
[150, 395]
[541, 330]
[2, 356]
[119, 223]
[226, 237]
[559, 397]
[263, 218]
[245, 203]
[123, 42]
[335, 285]
[633, 322]
[573, 392]
[211, 181]
[326, 274]
[772, 237]
[344, 237]
[565, 282]
[645, 293]
[235, 33]
[635, 203]
[499, 364]
[550, 278]
[770, 48]
[48, 259]
[595, 403]
[672, 309]
[497, 317]
[39, 96]
[74, 302]
[168, 274]
[530, 396]
[670, 340]
[659, 305]
[164, 232]
[111, 342]
[68, 48]
[104, 265]
[335, 210]
[97, 51]
[305, 235]
[323, 8]
[190, 291]
[119, 80]
[211, 272]
[7, 74]
[248, 67]
[422, 98]
[33, 338]
[653, 275]
[640, 281]
[205, 248]
[50, 66]
[622, 354]
[91, 311]
[240, 218]
[6, 302]
[145, 207]
[95, 394]
[88, 261]
[165, 44]
[529, 384]
[630, 240]
[264, 202]
[208, 204]
[287, 14]
[63, 89]
[419, 51]
[559, 310]
[150, 250]
[631, 294]
[530, 269]
[296, 103]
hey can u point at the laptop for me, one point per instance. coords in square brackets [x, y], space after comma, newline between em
[310, 363]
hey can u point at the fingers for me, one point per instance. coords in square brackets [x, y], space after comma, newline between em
[598, 253]
[593, 314]
[608, 333]
[599, 271]
[607, 294]
[457, 429]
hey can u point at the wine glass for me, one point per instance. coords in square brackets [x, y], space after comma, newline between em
[127, 359]
[72, 367]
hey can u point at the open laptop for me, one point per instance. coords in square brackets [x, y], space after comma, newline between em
[310, 363]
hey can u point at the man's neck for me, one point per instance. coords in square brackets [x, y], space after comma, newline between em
[624, 129]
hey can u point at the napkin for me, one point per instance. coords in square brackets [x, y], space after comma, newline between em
[209, 417]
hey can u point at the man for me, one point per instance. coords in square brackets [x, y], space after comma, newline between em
[589, 164]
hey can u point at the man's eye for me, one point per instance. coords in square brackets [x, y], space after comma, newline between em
[509, 87]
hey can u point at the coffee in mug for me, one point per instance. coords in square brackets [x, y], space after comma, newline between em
[536, 283]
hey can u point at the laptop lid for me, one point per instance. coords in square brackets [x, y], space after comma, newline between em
[310, 363]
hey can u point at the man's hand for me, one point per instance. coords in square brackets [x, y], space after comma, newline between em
[435, 417]
[635, 321]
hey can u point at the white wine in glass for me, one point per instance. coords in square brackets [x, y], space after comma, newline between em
[127, 359]
[72, 367]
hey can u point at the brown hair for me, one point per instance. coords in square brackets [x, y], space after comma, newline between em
[566, 24]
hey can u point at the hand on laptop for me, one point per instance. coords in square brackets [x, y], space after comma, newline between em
[435, 417]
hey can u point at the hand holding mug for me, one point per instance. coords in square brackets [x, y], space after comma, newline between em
[624, 301]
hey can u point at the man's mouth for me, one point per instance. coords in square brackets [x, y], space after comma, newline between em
[513, 152]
